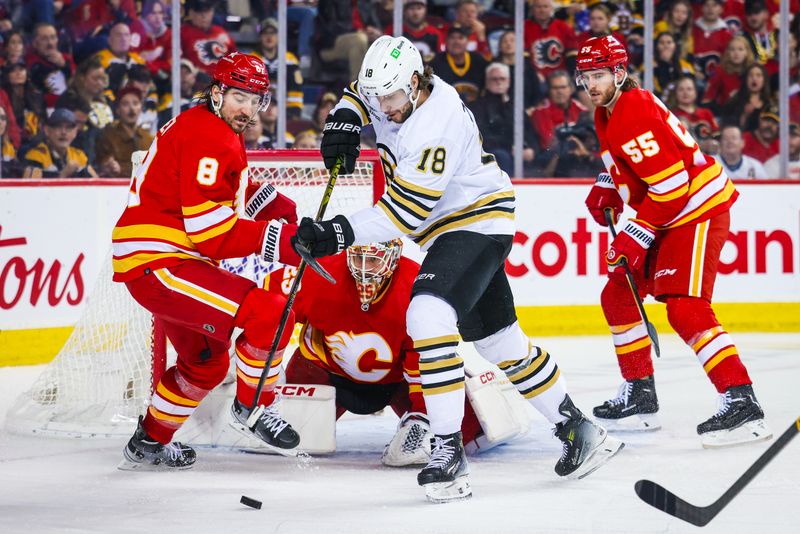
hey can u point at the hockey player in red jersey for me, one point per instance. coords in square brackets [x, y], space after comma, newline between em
[682, 200]
[186, 210]
[354, 338]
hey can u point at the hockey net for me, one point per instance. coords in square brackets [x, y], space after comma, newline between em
[102, 379]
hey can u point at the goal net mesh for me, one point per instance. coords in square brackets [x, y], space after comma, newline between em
[100, 381]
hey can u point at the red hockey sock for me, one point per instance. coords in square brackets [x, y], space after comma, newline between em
[629, 333]
[250, 363]
[694, 320]
[174, 400]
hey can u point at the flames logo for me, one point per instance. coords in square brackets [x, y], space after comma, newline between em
[366, 357]
[548, 53]
[210, 51]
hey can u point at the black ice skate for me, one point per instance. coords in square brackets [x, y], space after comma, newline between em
[144, 453]
[446, 477]
[633, 409]
[587, 446]
[267, 425]
[739, 420]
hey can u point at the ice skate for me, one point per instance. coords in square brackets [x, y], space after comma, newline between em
[411, 444]
[739, 420]
[634, 409]
[446, 477]
[587, 446]
[146, 454]
[266, 424]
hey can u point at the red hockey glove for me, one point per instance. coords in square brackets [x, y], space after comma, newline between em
[264, 203]
[277, 246]
[604, 195]
[631, 245]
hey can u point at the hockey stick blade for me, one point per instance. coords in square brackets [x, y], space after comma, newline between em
[651, 330]
[306, 256]
[661, 498]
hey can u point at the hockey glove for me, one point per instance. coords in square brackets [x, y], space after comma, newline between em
[264, 203]
[604, 195]
[631, 245]
[341, 136]
[277, 245]
[325, 238]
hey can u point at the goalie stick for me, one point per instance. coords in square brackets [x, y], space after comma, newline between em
[661, 498]
[651, 330]
[323, 205]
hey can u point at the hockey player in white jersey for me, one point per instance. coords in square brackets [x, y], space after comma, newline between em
[452, 199]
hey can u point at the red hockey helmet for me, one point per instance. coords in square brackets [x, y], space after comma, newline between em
[601, 53]
[245, 72]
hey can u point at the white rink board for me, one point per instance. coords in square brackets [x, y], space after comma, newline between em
[557, 259]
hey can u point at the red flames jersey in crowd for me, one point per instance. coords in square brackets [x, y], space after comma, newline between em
[701, 121]
[185, 200]
[363, 346]
[551, 45]
[156, 51]
[205, 48]
[708, 48]
[656, 164]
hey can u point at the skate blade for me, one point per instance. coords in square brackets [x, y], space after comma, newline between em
[444, 492]
[643, 422]
[239, 427]
[750, 432]
[607, 449]
[129, 465]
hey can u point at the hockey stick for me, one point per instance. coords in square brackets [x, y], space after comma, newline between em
[651, 330]
[323, 205]
[658, 497]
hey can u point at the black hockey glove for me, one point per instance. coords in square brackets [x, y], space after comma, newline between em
[341, 136]
[325, 237]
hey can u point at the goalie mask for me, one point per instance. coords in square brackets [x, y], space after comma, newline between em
[372, 266]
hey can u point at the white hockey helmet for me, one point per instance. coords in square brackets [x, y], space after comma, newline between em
[388, 66]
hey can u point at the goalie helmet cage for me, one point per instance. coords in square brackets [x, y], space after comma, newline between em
[102, 378]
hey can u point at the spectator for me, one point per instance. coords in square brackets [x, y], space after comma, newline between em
[337, 37]
[27, 102]
[306, 140]
[763, 43]
[49, 68]
[575, 152]
[89, 84]
[466, 71]
[629, 22]
[669, 65]
[683, 103]
[762, 143]
[416, 29]
[753, 96]
[735, 163]
[551, 42]
[710, 36]
[303, 13]
[86, 133]
[494, 115]
[253, 136]
[326, 103]
[773, 164]
[9, 166]
[268, 52]
[203, 42]
[151, 38]
[120, 139]
[600, 25]
[374, 15]
[531, 85]
[725, 81]
[139, 77]
[54, 157]
[88, 21]
[269, 122]
[678, 23]
[467, 12]
[560, 108]
[14, 49]
[117, 59]
[188, 89]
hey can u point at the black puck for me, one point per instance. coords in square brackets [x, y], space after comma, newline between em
[252, 503]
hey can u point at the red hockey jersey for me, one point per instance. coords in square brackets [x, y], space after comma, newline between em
[185, 199]
[370, 346]
[551, 45]
[656, 164]
[205, 48]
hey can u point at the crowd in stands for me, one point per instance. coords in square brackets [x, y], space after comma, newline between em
[84, 83]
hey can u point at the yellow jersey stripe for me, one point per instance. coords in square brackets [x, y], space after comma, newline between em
[189, 211]
[196, 292]
[152, 231]
[716, 360]
[669, 171]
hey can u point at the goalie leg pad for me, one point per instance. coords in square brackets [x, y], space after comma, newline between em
[311, 410]
[502, 412]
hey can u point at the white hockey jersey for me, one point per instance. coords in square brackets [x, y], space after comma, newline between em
[438, 177]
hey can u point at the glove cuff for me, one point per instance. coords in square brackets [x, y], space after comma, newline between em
[605, 181]
[258, 200]
[641, 232]
[272, 238]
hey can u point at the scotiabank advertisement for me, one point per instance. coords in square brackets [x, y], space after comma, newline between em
[55, 238]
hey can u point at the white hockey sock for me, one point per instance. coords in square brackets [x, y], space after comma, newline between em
[432, 325]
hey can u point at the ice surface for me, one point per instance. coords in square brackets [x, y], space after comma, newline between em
[59, 485]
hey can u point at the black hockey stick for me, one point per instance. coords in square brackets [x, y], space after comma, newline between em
[658, 497]
[323, 205]
[651, 330]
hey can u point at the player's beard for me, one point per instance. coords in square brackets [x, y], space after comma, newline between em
[608, 96]
[405, 113]
[238, 123]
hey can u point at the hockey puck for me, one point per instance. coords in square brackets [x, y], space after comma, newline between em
[252, 503]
